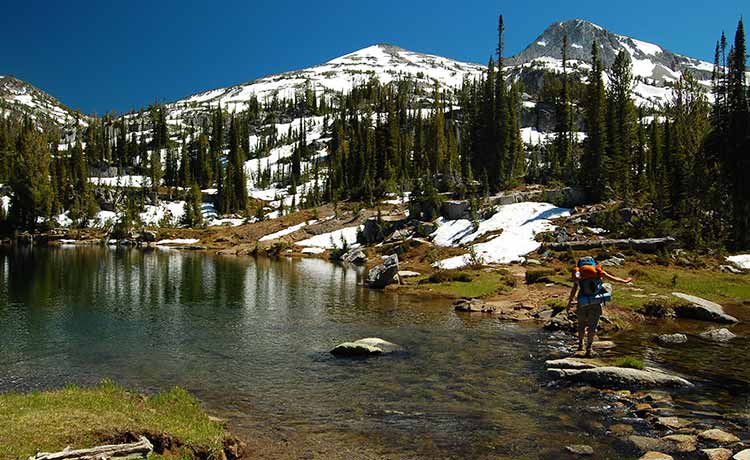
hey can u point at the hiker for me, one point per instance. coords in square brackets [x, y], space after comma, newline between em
[592, 294]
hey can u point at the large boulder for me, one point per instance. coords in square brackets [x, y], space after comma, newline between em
[355, 256]
[619, 377]
[384, 274]
[702, 309]
[455, 209]
[364, 347]
[718, 335]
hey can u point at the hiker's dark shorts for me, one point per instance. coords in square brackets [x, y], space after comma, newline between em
[588, 316]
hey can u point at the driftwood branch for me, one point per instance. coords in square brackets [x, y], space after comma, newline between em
[139, 449]
[643, 245]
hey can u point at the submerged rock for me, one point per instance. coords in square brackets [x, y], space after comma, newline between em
[671, 423]
[702, 309]
[473, 306]
[381, 276]
[718, 335]
[619, 377]
[365, 347]
[621, 429]
[580, 449]
[675, 443]
[718, 436]
[671, 339]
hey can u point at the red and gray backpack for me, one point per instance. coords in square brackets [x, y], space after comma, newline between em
[588, 275]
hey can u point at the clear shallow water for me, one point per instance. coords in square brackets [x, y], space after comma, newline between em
[250, 338]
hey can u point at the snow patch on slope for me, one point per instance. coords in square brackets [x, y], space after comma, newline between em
[741, 260]
[519, 223]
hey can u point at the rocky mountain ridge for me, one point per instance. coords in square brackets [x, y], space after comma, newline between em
[654, 67]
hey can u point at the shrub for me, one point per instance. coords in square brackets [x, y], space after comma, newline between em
[659, 308]
[629, 362]
[539, 275]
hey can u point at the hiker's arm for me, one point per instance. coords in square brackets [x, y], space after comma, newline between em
[572, 294]
[614, 278]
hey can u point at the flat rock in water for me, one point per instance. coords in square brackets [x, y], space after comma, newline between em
[718, 335]
[365, 347]
[651, 455]
[718, 436]
[702, 309]
[675, 443]
[569, 363]
[671, 339]
[671, 423]
[408, 274]
[716, 454]
[742, 455]
[580, 449]
[473, 306]
[603, 345]
[620, 377]
[621, 429]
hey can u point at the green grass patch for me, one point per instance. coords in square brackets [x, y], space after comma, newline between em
[661, 280]
[629, 362]
[467, 284]
[654, 279]
[85, 417]
[447, 276]
[539, 275]
[556, 304]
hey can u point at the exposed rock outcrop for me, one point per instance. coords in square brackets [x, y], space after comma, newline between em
[702, 309]
[384, 274]
[619, 377]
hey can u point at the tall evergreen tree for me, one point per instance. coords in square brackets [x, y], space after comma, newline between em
[30, 183]
[595, 145]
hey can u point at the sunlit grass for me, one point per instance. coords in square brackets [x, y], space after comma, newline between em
[662, 281]
[83, 417]
[471, 284]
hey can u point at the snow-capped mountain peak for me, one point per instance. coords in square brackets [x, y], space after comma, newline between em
[650, 61]
[385, 62]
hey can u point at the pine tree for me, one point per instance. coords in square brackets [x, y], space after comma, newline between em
[738, 149]
[503, 145]
[595, 145]
[562, 165]
[30, 182]
[621, 129]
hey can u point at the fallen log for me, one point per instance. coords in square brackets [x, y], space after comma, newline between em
[139, 449]
[642, 245]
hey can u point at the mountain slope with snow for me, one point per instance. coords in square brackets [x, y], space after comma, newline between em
[387, 63]
[650, 61]
[23, 99]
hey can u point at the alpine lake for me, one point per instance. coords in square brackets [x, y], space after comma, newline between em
[250, 337]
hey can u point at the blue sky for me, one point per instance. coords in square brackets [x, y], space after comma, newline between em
[99, 56]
